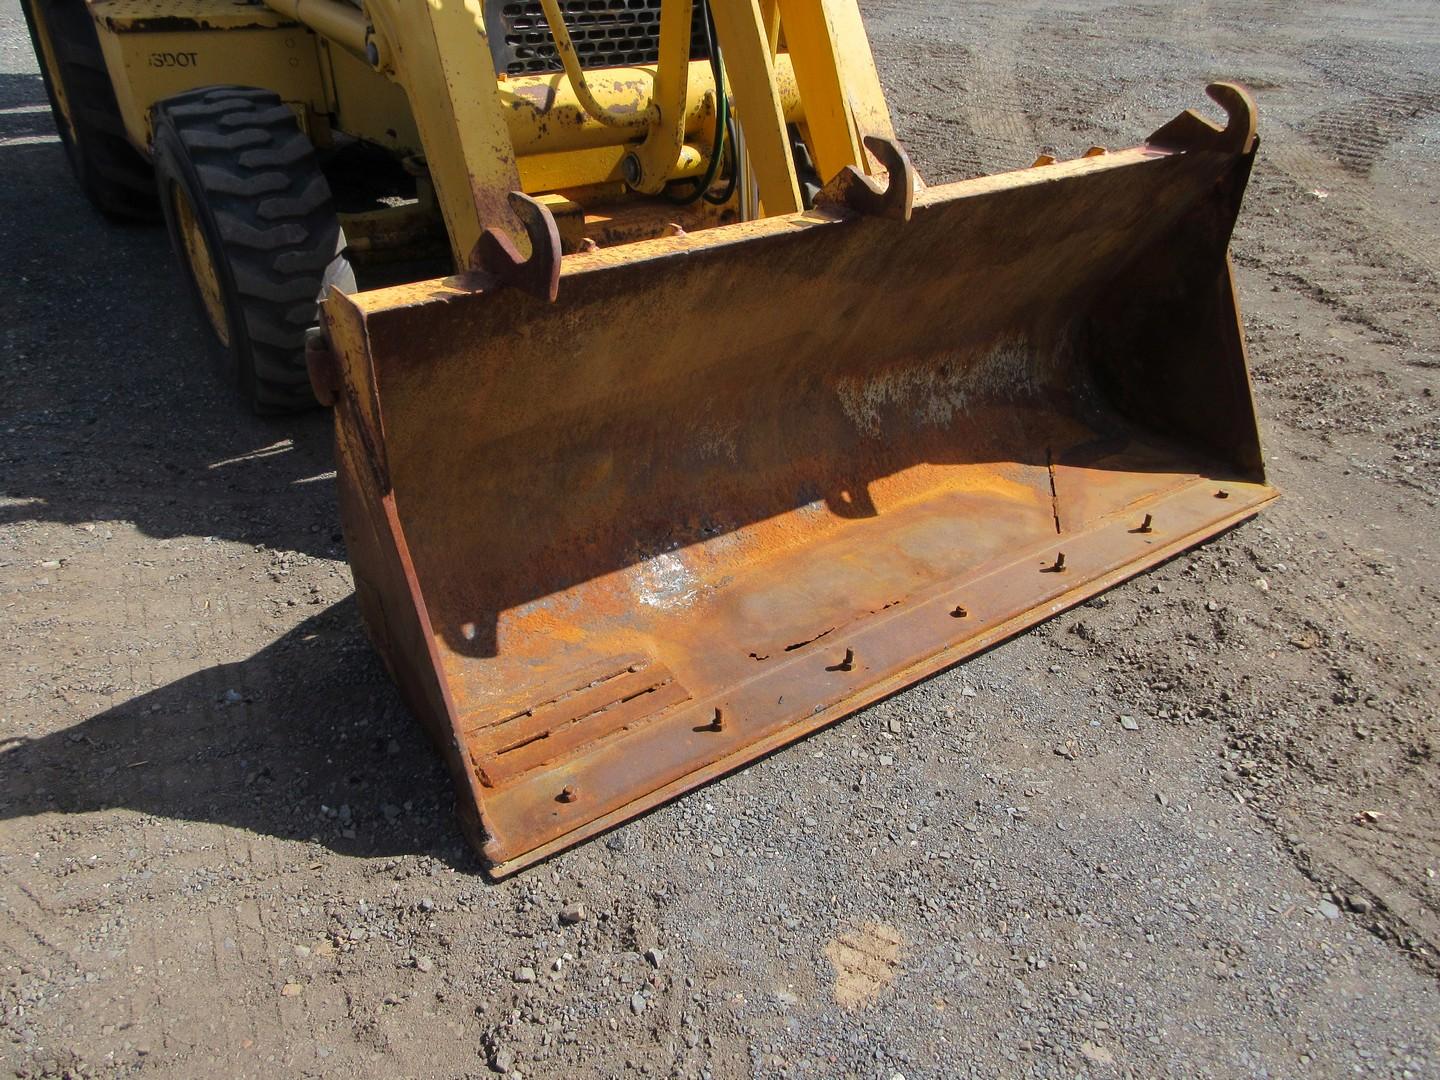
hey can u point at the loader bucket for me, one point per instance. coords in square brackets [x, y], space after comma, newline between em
[732, 486]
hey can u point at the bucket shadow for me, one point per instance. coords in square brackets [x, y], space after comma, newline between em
[306, 740]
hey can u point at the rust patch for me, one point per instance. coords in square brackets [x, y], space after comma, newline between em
[572, 721]
[937, 393]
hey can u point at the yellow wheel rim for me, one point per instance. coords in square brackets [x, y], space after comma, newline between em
[202, 266]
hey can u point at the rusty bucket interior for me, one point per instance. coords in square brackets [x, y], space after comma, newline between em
[732, 486]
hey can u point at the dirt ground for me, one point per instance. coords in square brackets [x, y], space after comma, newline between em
[225, 849]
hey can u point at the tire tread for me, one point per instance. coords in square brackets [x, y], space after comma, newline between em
[273, 211]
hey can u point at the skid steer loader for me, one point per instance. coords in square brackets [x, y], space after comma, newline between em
[723, 424]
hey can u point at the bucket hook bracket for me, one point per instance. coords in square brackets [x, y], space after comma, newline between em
[495, 252]
[1190, 131]
[853, 189]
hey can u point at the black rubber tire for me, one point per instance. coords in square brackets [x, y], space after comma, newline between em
[113, 174]
[266, 214]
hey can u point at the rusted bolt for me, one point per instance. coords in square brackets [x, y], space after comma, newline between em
[1144, 525]
[630, 169]
[567, 793]
[1222, 494]
[959, 612]
[1057, 567]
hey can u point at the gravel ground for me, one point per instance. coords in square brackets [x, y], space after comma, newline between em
[226, 850]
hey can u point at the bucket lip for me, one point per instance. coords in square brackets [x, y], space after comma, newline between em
[1241, 500]
[466, 287]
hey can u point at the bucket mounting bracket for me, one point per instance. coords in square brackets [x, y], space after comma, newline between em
[495, 253]
[851, 188]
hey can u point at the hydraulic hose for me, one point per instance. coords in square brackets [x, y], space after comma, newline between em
[722, 120]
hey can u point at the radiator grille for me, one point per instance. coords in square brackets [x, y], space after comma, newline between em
[606, 33]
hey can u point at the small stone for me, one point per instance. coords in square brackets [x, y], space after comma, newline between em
[718, 851]
[1096, 1054]
[1329, 910]
[524, 975]
[571, 914]
[637, 1003]
[1129, 724]
[232, 697]
[291, 990]
[967, 691]
[654, 956]
[1212, 605]
[894, 725]
[427, 904]
[424, 964]
[691, 1037]
[1065, 750]
[392, 747]
[302, 950]
[886, 760]
[502, 1061]
[1360, 905]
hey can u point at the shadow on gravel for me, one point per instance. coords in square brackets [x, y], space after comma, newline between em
[111, 407]
[307, 739]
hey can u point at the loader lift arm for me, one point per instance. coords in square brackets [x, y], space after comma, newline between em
[441, 56]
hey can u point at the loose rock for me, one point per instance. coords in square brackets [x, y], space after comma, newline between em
[571, 914]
